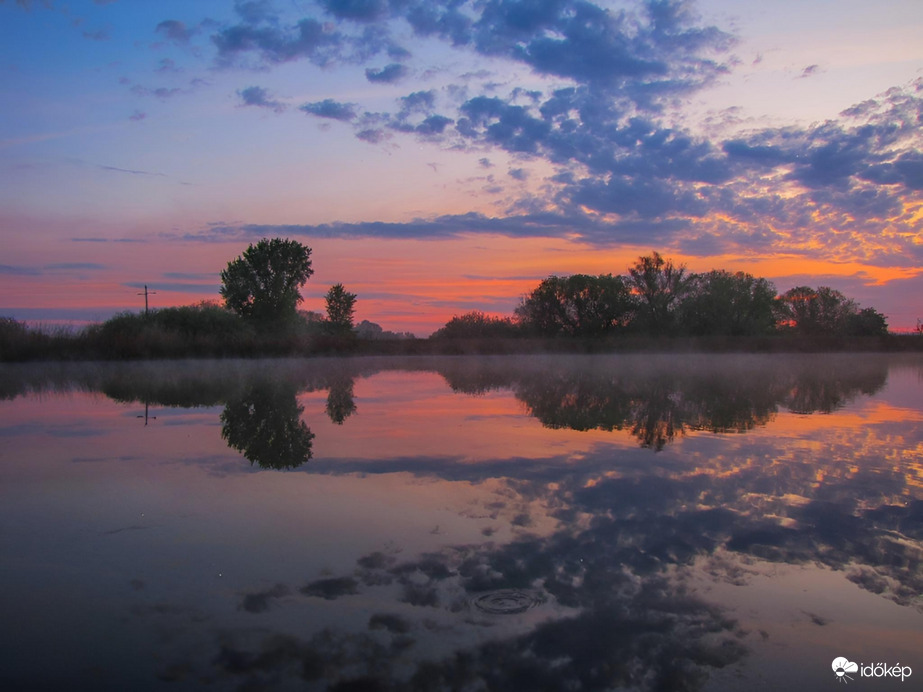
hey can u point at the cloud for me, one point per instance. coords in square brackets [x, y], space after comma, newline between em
[512, 127]
[357, 10]
[417, 102]
[96, 239]
[98, 35]
[328, 108]
[15, 270]
[603, 79]
[531, 225]
[655, 49]
[309, 39]
[433, 125]
[372, 135]
[260, 97]
[130, 171]
[174, 30]
[163, 93]
[261, 601]
[519, 174]
[646, 54]
[191, 276]
[620, 61]
[27, 4]
[388, 74]
[76, 265]
[809, 71]
[255, 11]
[167, 65]
[176, 286]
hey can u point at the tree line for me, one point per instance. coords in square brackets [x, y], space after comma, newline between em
[258, 315]
[659, 298]
[261, 291]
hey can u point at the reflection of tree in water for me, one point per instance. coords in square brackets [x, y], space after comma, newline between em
[823, 389]
[659, 401]
[340, 402]
[657, 398]
[658, 414]
[261, 418]
[623, 619]
[264, 423]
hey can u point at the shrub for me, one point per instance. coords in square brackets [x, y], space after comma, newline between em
[476, 325]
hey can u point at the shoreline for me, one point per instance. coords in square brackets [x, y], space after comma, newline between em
[74, 349]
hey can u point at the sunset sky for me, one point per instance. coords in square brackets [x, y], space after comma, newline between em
[441, 156]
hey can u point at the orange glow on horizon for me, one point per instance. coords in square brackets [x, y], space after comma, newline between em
[402, 284]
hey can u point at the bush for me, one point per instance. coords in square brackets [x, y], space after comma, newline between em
[16, 340]
[476, 325]
[193, 330]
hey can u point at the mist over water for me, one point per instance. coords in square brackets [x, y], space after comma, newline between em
[654, 522]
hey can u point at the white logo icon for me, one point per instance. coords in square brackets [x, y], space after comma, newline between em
[842, 666]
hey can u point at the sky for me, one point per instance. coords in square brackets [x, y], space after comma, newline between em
[442, 156]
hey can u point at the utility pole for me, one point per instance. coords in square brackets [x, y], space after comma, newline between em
[146, 415]
[146, 294]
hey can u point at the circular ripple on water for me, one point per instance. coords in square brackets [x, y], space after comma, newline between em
[507, 601]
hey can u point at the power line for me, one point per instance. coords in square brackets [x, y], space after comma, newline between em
[146, 294]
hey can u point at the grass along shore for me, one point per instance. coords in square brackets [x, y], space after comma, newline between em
[175, 333]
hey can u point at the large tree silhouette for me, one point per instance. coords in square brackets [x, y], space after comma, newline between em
[265, 425]
[263, 283]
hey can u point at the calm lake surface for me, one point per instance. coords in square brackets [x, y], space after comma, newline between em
[663, 522]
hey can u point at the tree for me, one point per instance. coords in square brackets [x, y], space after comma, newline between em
[263, 283]
[340, 309]
[726, 304]
[341, 403]
[659, 284]
[811, 312]
[476, 325]
[578, 305]
[264, 424]
[867, 322]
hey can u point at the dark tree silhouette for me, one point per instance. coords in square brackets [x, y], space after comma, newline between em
[476, 325]
[341, 307]
[867, 322]
[340, 402]
[265, 425]
[578, 305]
[263, 283]
[726, 304]
[659, 284]
[821, 311]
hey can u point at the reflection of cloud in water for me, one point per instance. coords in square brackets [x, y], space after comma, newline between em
[332, 588]
[261, 601]
[507, 601]
[134, 527]
[614, 531]
[59, 430]
[393, 623]
[627, 631]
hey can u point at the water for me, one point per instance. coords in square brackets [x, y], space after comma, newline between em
[511, 523]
